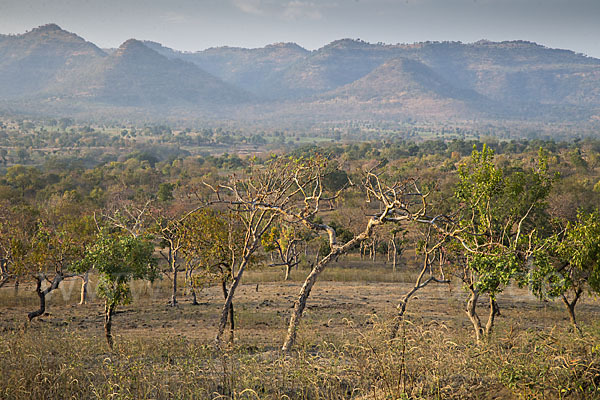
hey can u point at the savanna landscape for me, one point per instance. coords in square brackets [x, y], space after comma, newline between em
[415, 295]
[406, 220]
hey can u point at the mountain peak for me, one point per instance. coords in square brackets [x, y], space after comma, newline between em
[132, 44]
[285, 45]
[54, 32]
[48, 28]
[348, 44]
[135, 48]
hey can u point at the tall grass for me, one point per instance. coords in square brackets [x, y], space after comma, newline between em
[430, 358]
[425, 361]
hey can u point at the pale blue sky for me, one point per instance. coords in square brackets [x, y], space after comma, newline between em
[198, 24]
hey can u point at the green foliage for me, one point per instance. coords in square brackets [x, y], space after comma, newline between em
[270, 239]
[118, 259]
[499, 204]
[569, 261]
[581, 249]
[211, 241]
[495, 271]
[165, 192]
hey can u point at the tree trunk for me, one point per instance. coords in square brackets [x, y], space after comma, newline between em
[189, 283]
[401, 310]
[230, 312]
[109, 311]
[374, 250]
[194, 299]
[288, 269]
[84, 285]
[395, 252]
[570, 305]
[231, 323]
[419, 284]
[4, 275]
[173, 264]
[389, 250]
[173, 301]
[301, 302]
[228, 307]
[312, 278]
[42, 294]
[494, 311]
[472, 313]
[300, 305]
[42, 297]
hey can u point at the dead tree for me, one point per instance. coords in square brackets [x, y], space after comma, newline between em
[4, 271]
[85, 279]
[257, 199]
[431, 252]
[129, 217]
[53, 285]
[292, 192]
[169, 230]
[399, 202]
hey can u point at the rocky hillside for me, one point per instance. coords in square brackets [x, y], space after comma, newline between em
[346, 78]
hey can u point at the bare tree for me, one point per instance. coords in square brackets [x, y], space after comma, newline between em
[398, 202]
[169, 228]
[258, 199]
[292, 191]
[432, 249]
[128, 216]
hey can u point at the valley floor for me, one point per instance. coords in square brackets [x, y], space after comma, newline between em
[343, 349]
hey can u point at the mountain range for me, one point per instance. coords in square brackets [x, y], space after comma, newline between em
[49, 68]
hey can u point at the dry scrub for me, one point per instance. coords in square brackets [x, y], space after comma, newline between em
[427, 360]
[344, 350]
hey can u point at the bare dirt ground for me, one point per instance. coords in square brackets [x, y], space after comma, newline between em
[343, 347]
[262, 310]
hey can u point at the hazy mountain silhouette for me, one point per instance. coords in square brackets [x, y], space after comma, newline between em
[32, 61]
[255, 70]
[137, 75]
[410, 87]
[505, 80]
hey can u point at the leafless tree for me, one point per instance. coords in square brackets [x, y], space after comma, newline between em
[398, 202]
[432, 250]
[258, 199]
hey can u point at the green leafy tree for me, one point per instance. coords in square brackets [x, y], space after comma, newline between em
[52, 251]
[18, 226]
[118, 258]
[283, 240]
[497, 227]
[165, 192]
[569, 263]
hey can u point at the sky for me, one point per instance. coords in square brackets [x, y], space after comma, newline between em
[193, 25]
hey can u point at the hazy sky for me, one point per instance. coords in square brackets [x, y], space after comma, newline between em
[198, 24]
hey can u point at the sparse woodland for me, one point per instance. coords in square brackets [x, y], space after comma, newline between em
[425, 269]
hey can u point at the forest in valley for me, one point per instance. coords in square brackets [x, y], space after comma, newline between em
[147, 261]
